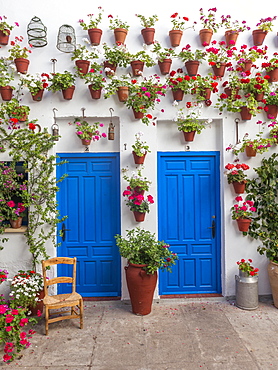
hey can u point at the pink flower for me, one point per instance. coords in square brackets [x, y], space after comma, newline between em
[39, 313]
[150, 199]
[9, 319]
[23, 322]
[11, 203]
[238, 198]
[9, 328]
[7, 358]
[3, 308]
[103, 134]
[126, 192]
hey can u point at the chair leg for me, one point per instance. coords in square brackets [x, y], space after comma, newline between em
[46, 320]
[81, 313]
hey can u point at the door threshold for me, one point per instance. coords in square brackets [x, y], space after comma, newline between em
[202, 295]
[101, 298]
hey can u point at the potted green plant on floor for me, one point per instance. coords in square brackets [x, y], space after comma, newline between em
[145, 255]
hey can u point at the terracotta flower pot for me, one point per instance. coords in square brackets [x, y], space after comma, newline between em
[138, 159]
[141, 287]
[95, 36]
[95, 94]
[231, 91]
[250, 152]
[68, 93]
[122, 93]
[139, 216]
[231, 37]
[205, 36]
[6, 93]
[247, 66]
[258, 37]
[239, 187]
[112, 68]
[86, 141]
[137, 115]
[273, 75]
[165, 66]
[245, 114]
[148, 35]
[243, 224]
[219, 71]
[4, 37]
[16, 224]
[120, 35]
[259, 96]
[22, 65]
[178, 94]
[38, 96]
[206, 93]
[192, 67]
[189, 136]
[272, 111]
[175, 37]
[137, 67]
[83, 66]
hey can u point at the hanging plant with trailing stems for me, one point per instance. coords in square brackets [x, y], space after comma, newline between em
[32, 148]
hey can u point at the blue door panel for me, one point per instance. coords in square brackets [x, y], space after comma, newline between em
[90, 197]
[188, 201]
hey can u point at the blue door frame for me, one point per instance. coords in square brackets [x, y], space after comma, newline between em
[90, 197]
[189, 220]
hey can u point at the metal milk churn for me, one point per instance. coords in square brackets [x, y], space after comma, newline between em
[247, 296]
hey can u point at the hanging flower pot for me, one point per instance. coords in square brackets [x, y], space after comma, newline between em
[16, 224]
[138, 159]
[178, 94]
[22, 65]
[247, 65]
[95, 36]
[120, 35]
[192, 67]
[239, 187]
[229, 91]
[165, 66]
[250, 152]
[112, 68]
[38, 95]
[4, 37]
[259, 96]
[137, 67]
[272, 111]
[86, 141]
[273, 75]
[243, 224]
[245, 114]
[95, 94]
[206, 93]
[139, 190]
[148, 35]
[122, 93]
[258, 37]
[231, 36]
[219, 71]
[139, 216]
[83, 66]
[205, 36]
[189, 136]
[141, 287]
[68, 93]
[175, 37]
[6, 93]
[137, 115]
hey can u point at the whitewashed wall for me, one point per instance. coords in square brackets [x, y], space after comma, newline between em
[164, 136]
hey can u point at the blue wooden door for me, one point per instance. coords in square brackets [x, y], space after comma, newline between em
[189, 220]
[89, 196]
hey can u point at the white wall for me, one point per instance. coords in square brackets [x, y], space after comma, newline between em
[164, 136]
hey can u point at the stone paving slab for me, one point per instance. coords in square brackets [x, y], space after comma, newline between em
[178, 334]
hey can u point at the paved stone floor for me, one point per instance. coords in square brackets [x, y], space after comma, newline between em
[178, 334]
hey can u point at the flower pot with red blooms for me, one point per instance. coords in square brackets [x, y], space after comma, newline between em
[236, 176]
[145, 256]
[83, 66]
[19, 55]
[120, 29]
[209, 24]
[247, 297]
[243, 212]
[94, 32]
[178, 25]
[205, 36]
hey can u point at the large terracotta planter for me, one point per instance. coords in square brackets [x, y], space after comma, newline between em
[95, 94]
[165, 66]
[95, 36]
[22, 65]
[122, 93]
[6, 93]
[243, 224]
[273, 280]
[231, 37]
[239, 187]
[250, 152]
[258, 37]
[273, 75]
[178, 94]
[138, 159]
[16, 224]
[189, 136]
[137, 67]
[205, 36]
[245, 114]
[272, 111]
[4, 37]
[192, 67]
[83, 66]
[68, 93]
[139, 216]
[112, 68]
[38, 96]
[148, 35]
[219, 71]
[175, 37]
[141, 287]
[120, 35]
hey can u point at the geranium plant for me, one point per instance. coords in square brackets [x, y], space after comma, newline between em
[114, 83]
[243, 208]
[178, 80]
[186, 54]
[255, 85]
[36, 82]
[163, 53]
[140, 147]
[136, 201]
[3, 275]
[251, 54]
[235, 25]
[18, 51]
[4, 26]
[208, 21]
[94, 20]
[266, 24]
[235, 102]
[178, 22]
[201, 84]
[13, 110]
[117, 23]
[95, 77]
[140, 246]
[219, 55]
[25, 287]
[61, 81]
[188, 119]
[271, 64]
[137, 180]
[117, 55]
[236, 172]
[6, 73]
[85, 130]
[143, 56]
[14, 210]
[81, 52]
[245, 265]
[147, 22]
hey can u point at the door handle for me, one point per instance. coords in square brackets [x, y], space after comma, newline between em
[213, 227]
[63, 232]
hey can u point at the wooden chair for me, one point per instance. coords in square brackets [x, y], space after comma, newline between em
[54, 302]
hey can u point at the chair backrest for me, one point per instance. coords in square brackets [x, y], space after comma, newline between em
[61, 279]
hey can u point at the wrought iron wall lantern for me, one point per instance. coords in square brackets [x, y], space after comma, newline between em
[55, 127]
[111, 127]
